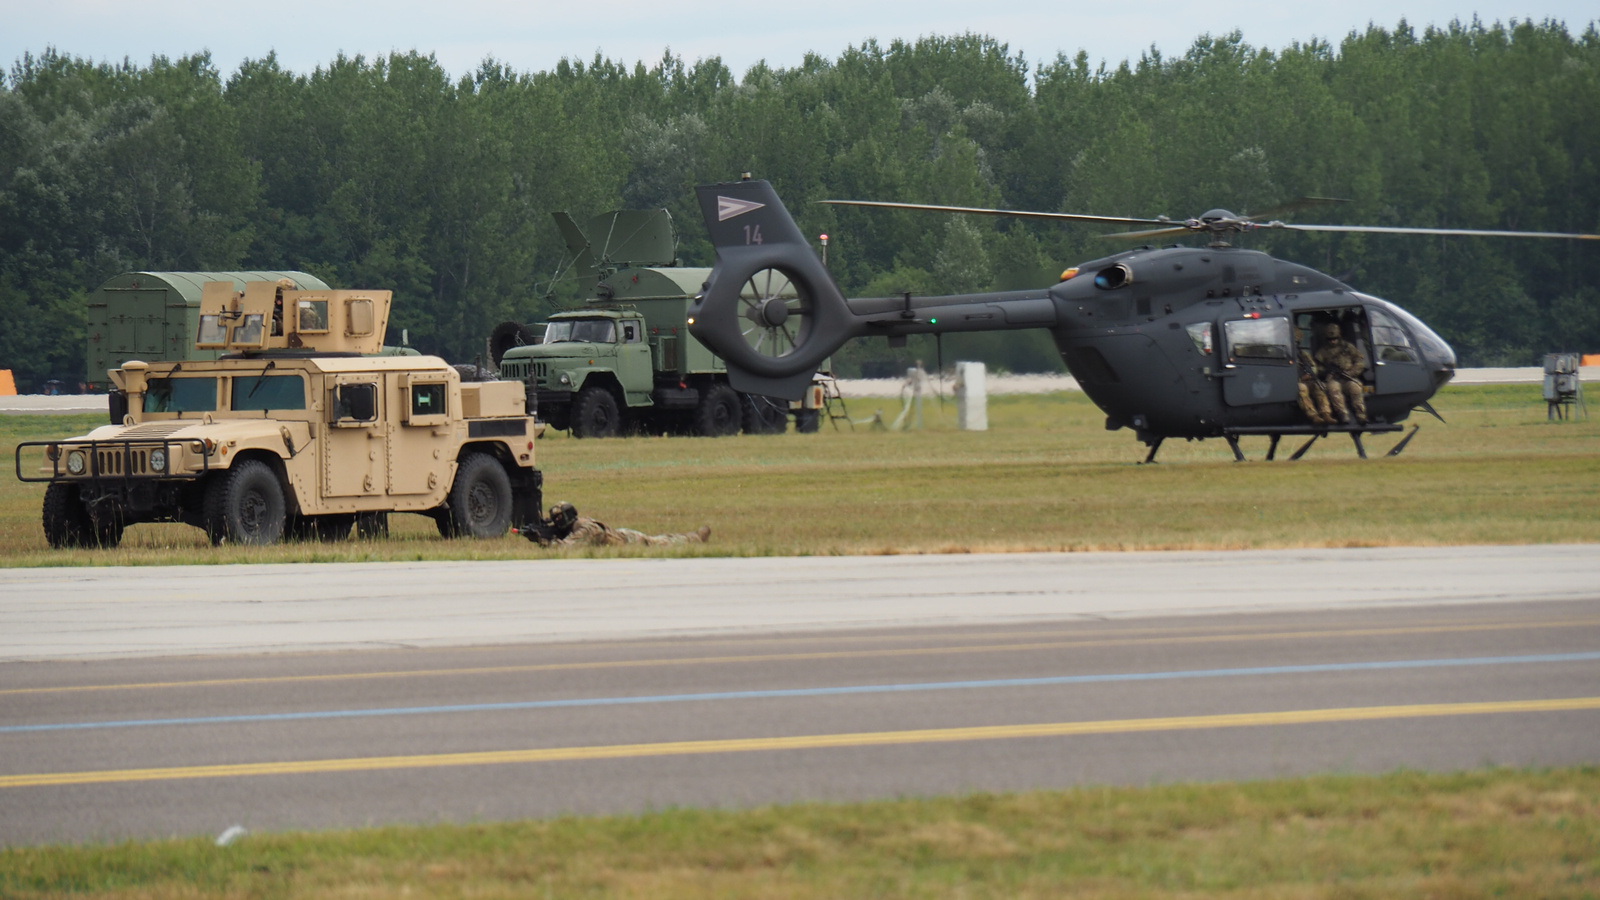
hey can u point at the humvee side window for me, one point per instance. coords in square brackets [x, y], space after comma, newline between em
[358, 319]
[312, 315]
[358, 402]
[181, 395]
[268, 392]
[212, 331]
[427, 400]
[250, 331]
[1258, 338]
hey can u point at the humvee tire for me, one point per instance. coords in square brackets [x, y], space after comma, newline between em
[245, 505]
[595, 414]
[66, 522]
[480, 500]
[718, 412]
[764, 415]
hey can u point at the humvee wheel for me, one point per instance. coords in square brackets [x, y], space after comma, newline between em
[66, 522]
[595, 414]
[245, 505]
[764, 415]
[718, 412]
[480, 500]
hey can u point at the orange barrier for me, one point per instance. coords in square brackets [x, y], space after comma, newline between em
[8, 385]
[1590, 359]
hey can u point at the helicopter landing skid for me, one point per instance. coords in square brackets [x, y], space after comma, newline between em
[1277, 433]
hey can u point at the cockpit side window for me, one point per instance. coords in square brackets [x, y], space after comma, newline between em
[1389, 340]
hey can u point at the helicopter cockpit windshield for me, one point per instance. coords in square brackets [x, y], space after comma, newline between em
[594, 331]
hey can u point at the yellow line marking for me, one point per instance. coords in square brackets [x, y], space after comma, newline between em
[812, 656]
[802, 742]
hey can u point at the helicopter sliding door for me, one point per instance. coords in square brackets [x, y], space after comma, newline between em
[1258, 361]
[1396, 360]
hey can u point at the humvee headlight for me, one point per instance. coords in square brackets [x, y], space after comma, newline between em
[77, 462]
[158, 460]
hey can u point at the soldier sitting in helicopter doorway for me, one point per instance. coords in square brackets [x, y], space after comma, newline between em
[1313, 390]
[1344, 364]
[568, 529]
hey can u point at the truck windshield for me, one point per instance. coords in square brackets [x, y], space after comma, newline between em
[597, 331]
[181, 395]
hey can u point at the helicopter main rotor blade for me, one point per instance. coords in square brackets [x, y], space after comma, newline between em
[1131, 235]
[1456, 232]
[1293, 205]
[981, 211]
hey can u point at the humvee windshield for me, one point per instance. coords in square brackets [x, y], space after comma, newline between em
[179, 395]
[269, 392]
[597, 331]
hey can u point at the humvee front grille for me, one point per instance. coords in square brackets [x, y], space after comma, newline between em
[108, 459]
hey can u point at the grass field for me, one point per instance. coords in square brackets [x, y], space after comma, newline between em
[1495, 833]
[1046, 476]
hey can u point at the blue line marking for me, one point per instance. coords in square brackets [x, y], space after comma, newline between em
[823, 692]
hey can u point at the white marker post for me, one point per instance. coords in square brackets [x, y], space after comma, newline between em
[972, 397]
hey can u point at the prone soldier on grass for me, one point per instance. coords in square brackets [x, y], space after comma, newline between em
[569, 529]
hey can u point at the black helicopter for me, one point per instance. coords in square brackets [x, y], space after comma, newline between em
[1179, 342]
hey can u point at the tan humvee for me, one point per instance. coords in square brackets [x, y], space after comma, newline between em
[293, 431]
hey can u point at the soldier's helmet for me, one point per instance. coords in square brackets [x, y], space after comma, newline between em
[563, 516]
[1331, 331]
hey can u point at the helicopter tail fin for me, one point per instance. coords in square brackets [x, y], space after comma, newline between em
[769, 309]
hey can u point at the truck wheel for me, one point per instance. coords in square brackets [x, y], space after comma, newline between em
[807, 421]
[718, 412]
[66, 522]
[595, 414]
[764, 415]
[244, 505]
[480, 500]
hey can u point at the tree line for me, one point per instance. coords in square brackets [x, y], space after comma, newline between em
[389, 173]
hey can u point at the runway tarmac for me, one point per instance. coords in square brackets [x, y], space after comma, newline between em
[146, 702]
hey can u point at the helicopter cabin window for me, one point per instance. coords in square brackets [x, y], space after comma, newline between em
[427, 404]
[595, 331]
[212, 332]
[1389, 341]
[180, 395]
[265, 392]
[311, 315]
[355, 404]
[1258, 339]
[1200, 333]
[251, 332]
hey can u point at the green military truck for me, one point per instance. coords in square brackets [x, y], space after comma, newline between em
[625, 361]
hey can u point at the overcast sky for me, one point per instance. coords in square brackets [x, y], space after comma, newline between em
[533, 36]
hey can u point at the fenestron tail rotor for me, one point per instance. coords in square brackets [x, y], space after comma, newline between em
[777, 318]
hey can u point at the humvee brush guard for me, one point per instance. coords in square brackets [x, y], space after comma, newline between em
[292, 431]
